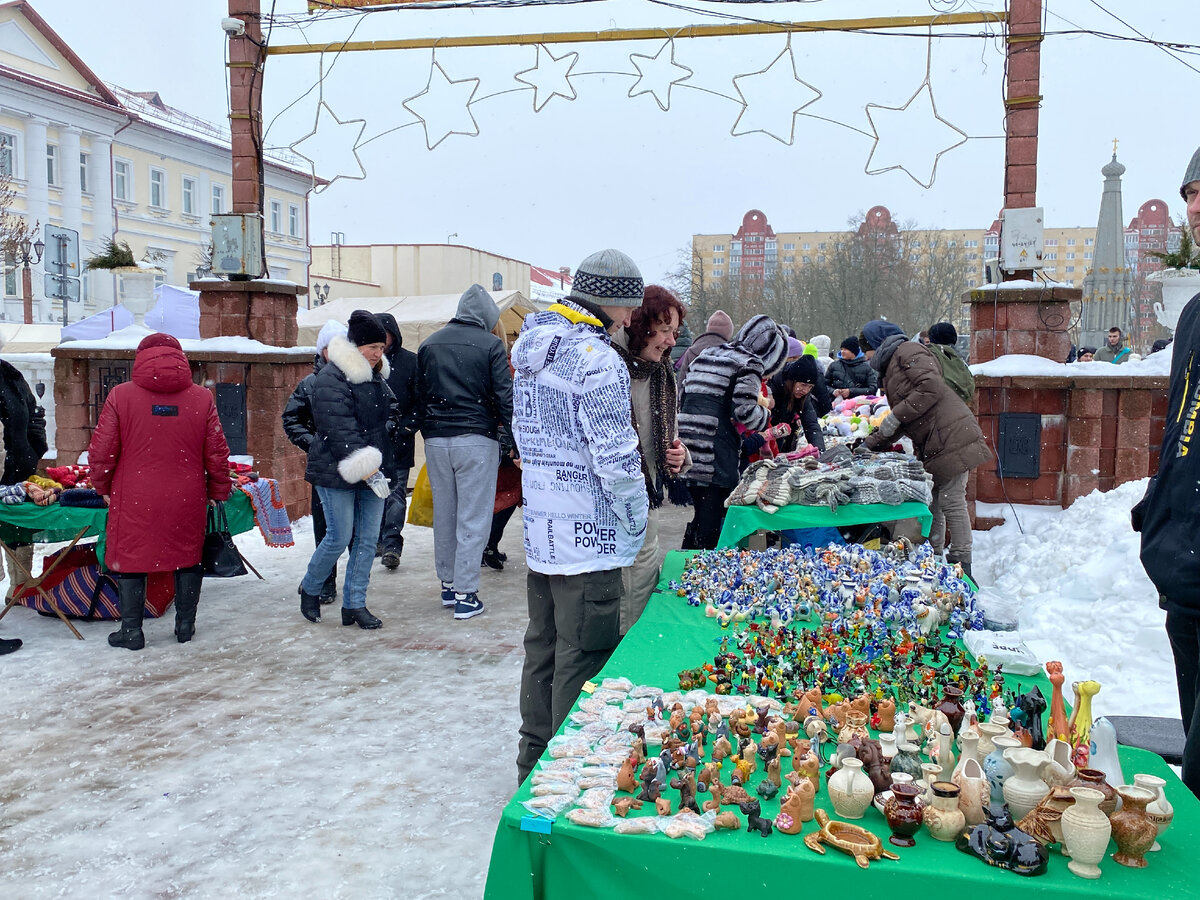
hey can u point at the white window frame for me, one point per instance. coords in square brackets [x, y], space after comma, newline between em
[85, 161]
[275, 209]
[158, 185]
[12, 142]
[217, 199]
[187, 195]
[11, 289]
[127, 175]
[294, 220]
[52, 172]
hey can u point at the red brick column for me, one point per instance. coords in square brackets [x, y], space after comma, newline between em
[262, 310]
[246, 58]
[1031, 321]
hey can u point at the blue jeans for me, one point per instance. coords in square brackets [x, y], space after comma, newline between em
[348, 513]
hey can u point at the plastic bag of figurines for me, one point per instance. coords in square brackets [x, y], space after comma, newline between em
[998, 842]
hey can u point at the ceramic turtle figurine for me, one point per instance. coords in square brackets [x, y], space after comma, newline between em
[853, 840]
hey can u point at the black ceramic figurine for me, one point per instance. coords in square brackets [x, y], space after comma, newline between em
[1034, 704]
[998, 842]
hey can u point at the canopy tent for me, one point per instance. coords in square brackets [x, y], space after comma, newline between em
[418, 316]
[18, 338]
[177, 313]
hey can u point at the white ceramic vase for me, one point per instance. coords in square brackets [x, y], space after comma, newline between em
[998, 769]
[988, 732]
[1059, 769]
[973, 790]
[1085, 831]
[850, 790]
[1024, 789]
[1160, 810]
[137, 290]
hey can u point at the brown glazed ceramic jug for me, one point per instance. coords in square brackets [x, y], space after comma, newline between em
[1132, 829]
[903, 814]
[1094, 779]
[951, 705]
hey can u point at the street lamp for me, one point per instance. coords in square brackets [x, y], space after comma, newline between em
[322, 292]
[451, 236]
[30, 254]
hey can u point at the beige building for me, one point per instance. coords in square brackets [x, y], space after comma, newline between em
[103, 161]
[397, 270]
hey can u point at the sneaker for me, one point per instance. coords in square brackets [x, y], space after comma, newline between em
[391, 560]
[467, 606]
[492, 559]
[9, 645]
[447, 595]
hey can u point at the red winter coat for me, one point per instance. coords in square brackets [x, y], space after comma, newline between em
[159, 452]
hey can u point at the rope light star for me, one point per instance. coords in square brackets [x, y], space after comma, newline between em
[444, 107]
[336, 143]
[550, 77]
[657, 74]
[771, 97]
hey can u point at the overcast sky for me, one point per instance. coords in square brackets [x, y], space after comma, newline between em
[607, 169]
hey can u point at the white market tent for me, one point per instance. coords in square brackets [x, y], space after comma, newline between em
[177, 312]
[418, 316]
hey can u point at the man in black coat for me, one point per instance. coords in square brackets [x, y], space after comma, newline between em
[1169, 515]
[24, 423]
[403, 381]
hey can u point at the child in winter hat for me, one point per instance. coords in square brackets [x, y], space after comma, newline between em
[766, 340]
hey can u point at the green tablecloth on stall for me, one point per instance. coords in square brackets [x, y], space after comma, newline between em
[742, 521]
[28, 523]
[577, 863]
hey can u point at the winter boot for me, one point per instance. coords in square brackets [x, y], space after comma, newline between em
[361, 617]
[131, 592]
[187, 597]
[329, 588]
[9, 645]
[493, 558]
[24, 555]
[310, 605]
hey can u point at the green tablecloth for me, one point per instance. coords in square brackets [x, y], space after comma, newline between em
[578, 863]
[742, 521]
[29, 523]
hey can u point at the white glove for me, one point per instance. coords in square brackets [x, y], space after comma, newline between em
[377, 483]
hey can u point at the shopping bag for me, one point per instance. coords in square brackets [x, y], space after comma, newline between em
[508, 488]
[420, 504]
[220, 557]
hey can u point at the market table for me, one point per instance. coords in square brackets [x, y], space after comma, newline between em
[742, 521]
[578, 862]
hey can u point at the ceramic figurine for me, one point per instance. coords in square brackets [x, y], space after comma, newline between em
[1059, 769]
[952, 708]
[1102, 754]
[1160, 810]
[876, 767]
[998, 842]
[685, 783]
[627, 777]
[945, 748]
[1033, 704]
[727, 821]
[1058, 711]
[1094, 778]
[721, 749]
[999, 711]
[903, 813]
[974, 792]
[663, 806]
[1132, 828]
[653, 777]
[887, 745]
[942, 816]
[900, 727]
[997, 768]
[850, 790]
[1079, 728]
[853, 840]
[886, 711]
[1085, 832]
[754, 821]
[797, 803]
[622, 805]
[988, 732]
[809, 767]
[1024, 789]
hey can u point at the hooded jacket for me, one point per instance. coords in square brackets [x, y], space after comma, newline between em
[585, 505]
[945, 434]
[351, 403]
[722, 388]
[403, 383]
[855, 374]
[1169, 515]
[24, 425]
[159, 452]
[464, 385]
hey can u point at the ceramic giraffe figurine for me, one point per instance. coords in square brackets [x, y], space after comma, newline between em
[1080, 726]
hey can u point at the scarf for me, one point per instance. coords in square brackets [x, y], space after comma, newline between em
[662, 415]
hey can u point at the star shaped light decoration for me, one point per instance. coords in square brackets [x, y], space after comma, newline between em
[444, 107]
[771, 97]
[657, 74]
[550, 77]
[335, 143]
[911, 138]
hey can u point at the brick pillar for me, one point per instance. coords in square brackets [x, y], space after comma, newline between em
[1021, 101]
[262, 310]
[246, 58]
[1031, 321]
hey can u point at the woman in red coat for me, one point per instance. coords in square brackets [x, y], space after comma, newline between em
[158, 456]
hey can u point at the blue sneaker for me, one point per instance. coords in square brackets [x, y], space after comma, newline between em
[447, 595]
[467, 606]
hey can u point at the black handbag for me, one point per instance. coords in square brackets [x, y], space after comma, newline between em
[220, 558]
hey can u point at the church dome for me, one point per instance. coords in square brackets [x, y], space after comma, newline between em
[1113, 168]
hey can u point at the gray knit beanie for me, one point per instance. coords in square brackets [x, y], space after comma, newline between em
[1192, 173]
[608, 278]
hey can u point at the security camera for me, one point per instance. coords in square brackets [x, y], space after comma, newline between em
[233, 27]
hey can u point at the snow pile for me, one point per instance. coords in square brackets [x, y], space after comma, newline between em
[1084, 598]
[1024, 364]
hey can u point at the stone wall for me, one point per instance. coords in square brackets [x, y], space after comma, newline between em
[81, 378]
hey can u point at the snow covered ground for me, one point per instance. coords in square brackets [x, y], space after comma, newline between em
[274, 758]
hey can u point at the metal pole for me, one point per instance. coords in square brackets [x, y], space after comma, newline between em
[27, 291]
[61, 283]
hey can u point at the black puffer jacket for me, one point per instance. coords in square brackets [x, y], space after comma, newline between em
[297, 412]
[855, 374]
[403, 382]
[464, 384]
[24, 425]
[351, 404]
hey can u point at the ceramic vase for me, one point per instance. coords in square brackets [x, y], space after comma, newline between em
[903, 814]
[930, 772]
[1024, 789]
[887, 745]
[856, 726]
[1103, 751]
[850, 790]
[1132, 828]
[1060, 769]
[906, 760]
[1159, 810]
[988, 732]
[942, 816]
[974, 792]
[1085, 832]
[1094, 778]
[970, 745]
[945, 748]
[997, 768]
[951, 706]
[137, 290]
